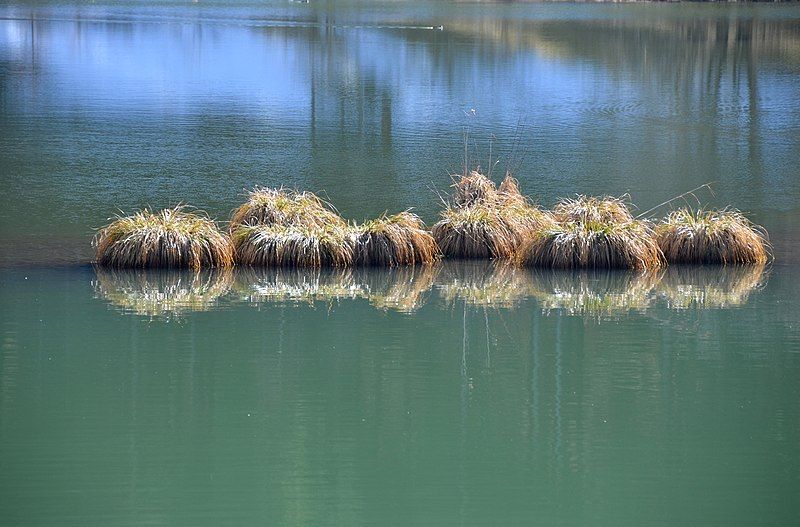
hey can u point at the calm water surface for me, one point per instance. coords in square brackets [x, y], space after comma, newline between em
[467, 394]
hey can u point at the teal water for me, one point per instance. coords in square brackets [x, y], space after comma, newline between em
[117, 105]
[262, 406]
[465, 394]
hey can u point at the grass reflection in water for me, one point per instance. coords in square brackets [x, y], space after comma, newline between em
[598, 294]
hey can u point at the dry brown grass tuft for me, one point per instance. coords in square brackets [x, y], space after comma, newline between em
[285, 208]
[526, 219]
[473, 189]
[591, 209]
[395, 240]
[687, 286]
[509, 190]
[712, 237]
[475, 232]
[162, 292]
[171, 238]
[574, 245]
[486, 222]
[295, 246]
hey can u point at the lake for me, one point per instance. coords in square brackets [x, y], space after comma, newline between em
[464, 394]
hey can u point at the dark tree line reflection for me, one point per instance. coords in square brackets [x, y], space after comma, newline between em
[373, 114]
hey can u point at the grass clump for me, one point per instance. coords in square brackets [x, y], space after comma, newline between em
[473, 189]
[475, 232]
[593, 233]
[171, 238]
[523, 216]
[592, 245]
[482, 221]
[293, 246]
[592, 209]
[287, 208]
[712, 237]
[162, 293]
[391, 241]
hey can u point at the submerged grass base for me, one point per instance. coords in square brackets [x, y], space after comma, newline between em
[171, 238]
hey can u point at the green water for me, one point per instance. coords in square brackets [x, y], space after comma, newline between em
[341, 412]
[466, 394]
